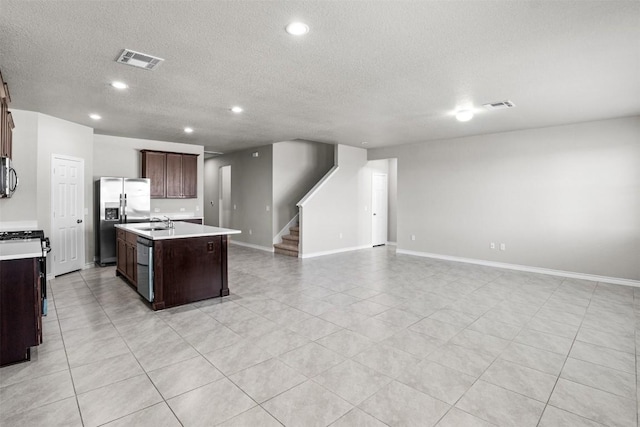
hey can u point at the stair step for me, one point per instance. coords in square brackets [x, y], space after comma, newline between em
[286, 246]
[286, 252]
[295, 231]
[291, 238]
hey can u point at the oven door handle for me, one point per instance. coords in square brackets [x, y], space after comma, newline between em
[12, 189]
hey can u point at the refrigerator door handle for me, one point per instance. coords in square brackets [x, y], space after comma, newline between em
[125, 207]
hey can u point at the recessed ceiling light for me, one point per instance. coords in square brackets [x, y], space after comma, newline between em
[237, 109]
[364, 143]
[95, 116]
[464, 115]
[188, 130]
[119, 85]
[297, 28]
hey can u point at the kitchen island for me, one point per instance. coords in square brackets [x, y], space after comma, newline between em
[173, 264]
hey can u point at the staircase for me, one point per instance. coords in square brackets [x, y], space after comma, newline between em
[289, 245]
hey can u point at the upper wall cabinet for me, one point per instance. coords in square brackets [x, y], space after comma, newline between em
[154, 165]
[6, 121]
[173, 175]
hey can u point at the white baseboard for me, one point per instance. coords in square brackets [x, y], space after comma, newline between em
[249, 245]
[392, 243]
[336, 251]
[552, 272]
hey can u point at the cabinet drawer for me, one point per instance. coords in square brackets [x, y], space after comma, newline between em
[131, 238]
[120, 234]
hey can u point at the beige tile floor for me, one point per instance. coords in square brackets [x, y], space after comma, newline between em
[365, 338]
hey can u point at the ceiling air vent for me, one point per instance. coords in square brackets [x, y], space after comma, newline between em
[499, 105]
[140, 60]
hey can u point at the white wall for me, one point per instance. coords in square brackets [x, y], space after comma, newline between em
[340, 207]
[57, 136]
[118, 156]
[393, 200]
[19, 211]
[297, 167]
[564, 198]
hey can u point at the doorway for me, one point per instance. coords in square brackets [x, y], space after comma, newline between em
[380, 206]
[224, 197]
[67, 213]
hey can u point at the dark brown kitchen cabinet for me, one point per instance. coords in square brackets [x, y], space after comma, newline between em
[6, 120]
[20, 309]
[153, 167]
[189, 176]
[126, 255]
[173, 175]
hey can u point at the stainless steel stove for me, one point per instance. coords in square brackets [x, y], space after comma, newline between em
[46, 248]
[22, 235]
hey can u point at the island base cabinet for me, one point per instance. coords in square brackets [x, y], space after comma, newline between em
[126, 255]
[20, 310]
[188, 270]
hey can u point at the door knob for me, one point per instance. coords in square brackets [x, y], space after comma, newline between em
[79, 221]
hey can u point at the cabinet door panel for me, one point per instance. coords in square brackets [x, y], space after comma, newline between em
[174, 176]
[121, 256]
[131, 262]
[189, 176]
[153, 167]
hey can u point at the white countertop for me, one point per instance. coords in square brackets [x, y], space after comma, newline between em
[19, 249]
[181, 230]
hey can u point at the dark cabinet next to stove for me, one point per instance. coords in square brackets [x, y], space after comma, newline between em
[20, 309]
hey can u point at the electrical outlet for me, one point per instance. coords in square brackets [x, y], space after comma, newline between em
[234, 207]
[268, 208]
[492, 245]
[197, 208]
[413, 237]
[156, 209]
[209, 246]
[341, 235]
[250, 231]
[503, 247]
[182, 209]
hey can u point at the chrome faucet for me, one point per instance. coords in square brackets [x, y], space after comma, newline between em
[167, 223]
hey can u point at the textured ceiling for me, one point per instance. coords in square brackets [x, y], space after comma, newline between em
[387, 72]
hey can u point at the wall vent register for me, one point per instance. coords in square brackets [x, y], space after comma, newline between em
[502, 105]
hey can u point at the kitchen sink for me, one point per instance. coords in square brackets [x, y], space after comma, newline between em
[153, 228]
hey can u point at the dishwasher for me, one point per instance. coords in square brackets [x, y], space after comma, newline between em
[145, 268]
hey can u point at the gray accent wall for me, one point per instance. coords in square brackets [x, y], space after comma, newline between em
[251, 190]
[297, 167]
[563, 198]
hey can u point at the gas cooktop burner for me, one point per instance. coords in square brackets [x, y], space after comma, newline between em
[21, 235]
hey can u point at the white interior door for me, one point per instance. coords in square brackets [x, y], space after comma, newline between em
[380, 206]
[67, 201]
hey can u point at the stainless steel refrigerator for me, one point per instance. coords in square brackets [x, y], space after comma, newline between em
[118, 201]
